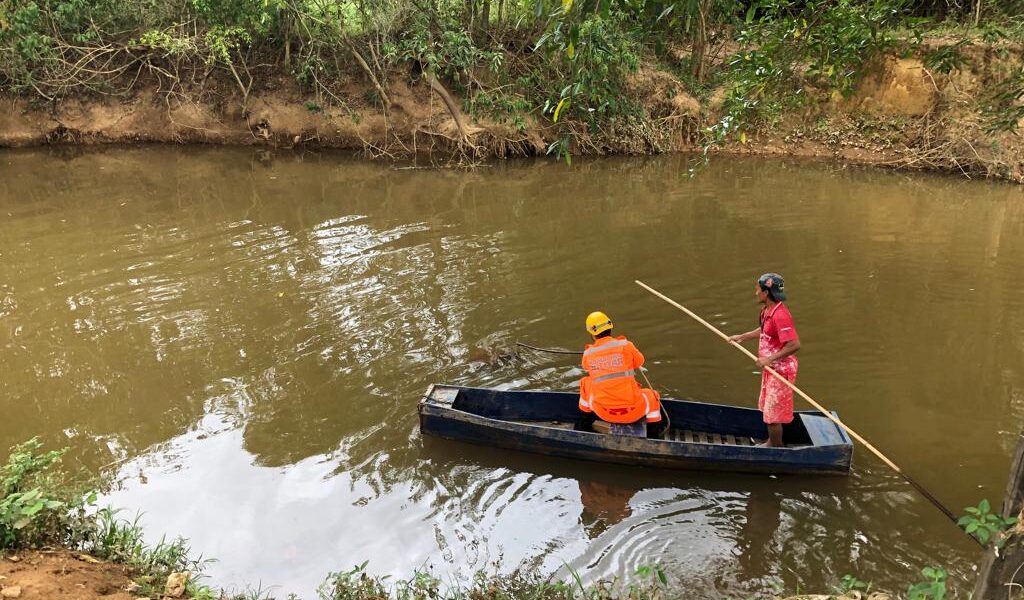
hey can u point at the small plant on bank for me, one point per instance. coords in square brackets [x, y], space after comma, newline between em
[354, 584]
[33, 503]
[850, 583]
[932, 588]
[985, 525]
[648, 571]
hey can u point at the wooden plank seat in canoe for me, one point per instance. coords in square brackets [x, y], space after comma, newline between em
[702, 436]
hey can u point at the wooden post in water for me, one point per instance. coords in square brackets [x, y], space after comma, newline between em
[1001, 576]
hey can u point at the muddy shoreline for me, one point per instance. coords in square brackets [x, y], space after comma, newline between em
[282, 127]
[902, 116]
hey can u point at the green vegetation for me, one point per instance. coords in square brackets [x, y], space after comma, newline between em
[567, 65]
[357, 584]
[932, 588]
[850, 583]
[986, 526]
[37, 507]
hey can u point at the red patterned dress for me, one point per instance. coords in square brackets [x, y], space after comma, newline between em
[776, 401]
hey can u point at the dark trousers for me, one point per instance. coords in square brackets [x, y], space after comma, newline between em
[587, 419]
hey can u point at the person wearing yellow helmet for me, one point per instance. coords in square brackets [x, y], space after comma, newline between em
[610, 391]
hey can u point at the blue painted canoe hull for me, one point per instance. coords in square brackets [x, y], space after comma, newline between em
[522, 420]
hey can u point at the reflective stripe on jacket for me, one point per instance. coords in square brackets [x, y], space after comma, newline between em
[609, 389]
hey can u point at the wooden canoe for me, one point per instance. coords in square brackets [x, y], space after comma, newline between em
[711, 437]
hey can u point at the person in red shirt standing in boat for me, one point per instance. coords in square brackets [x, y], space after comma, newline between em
[777, 349]
[610, 391]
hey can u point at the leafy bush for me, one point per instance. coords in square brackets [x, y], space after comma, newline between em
[984, 525]
[34, 500]
[1004, 109]
[450, 53]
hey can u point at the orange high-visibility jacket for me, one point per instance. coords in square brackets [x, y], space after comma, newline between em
[609, 389]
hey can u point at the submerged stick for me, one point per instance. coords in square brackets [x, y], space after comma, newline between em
[551, 350]
[820, 408]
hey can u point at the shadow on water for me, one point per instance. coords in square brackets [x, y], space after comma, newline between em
[617, 500]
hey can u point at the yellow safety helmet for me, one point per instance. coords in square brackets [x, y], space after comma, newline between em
[598, 322]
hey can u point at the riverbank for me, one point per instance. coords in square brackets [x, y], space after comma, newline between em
[59, 574]
[63, 575]
[902, 114]
[55, 545]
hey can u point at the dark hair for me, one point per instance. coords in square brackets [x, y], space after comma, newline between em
[605, 333]
[774, 285]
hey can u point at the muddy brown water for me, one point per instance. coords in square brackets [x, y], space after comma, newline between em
[249, 334]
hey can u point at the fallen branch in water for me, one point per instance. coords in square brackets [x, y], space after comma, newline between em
[551, 350]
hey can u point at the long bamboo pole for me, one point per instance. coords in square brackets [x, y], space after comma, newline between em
[820, 408]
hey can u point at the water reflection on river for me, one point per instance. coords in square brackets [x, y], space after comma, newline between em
[250, 335]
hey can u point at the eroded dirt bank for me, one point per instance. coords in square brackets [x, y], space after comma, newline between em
[63, 575]
[902, 115]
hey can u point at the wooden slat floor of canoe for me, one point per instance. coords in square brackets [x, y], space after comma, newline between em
[704, 437]
[675, 435]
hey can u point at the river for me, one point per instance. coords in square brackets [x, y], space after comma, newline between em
[247, 335]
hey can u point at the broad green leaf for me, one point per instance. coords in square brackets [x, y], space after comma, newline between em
[984, 506]
[31, 510]
[558, 109]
